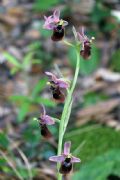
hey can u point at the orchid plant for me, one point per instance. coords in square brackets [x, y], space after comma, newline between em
[62, 91]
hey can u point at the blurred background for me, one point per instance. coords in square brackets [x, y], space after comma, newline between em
[26, 52]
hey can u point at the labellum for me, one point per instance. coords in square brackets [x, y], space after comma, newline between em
[86, 52]
[58, 33]
[113, 177]
[66, 166]
[45, 131]
[57, 94]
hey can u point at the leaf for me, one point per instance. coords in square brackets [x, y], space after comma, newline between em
[47, 151]
[44, 5]
[4, 142]
[98, 141]
[115, 61]
[12, 59]
[101, 167]
[27, 59]
[24, 109]
[91, 98]
[45, 101]
[89, 66]
[14, 70]
[99, 12]
[24, 172]
[2, 161]
[39, 87]
[37, 61]
[45, 33]
[109, 27]
[19, 98]
[32, 136]
[86, 66]
[35, 45]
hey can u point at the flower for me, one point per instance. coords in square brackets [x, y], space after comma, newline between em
[66, 159]
[86, 44]
[56, 85]
[56, 24]
[59, 82]
[44, 121]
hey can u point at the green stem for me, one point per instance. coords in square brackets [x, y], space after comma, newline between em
[67, 43]
[65, 110]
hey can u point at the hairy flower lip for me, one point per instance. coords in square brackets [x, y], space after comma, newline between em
[66, 166]
[58, 33]
[45, 131]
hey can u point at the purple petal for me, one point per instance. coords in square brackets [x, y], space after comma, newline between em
[75, 160]
[57, 158]
[82, 31]
[49, 73]
[81, 38]
[45, 17]
[56, 15]
[49, 23]
[62, 83]
[48, 120]
[54, 78]
[47, 26]
[67, 146]
[82, 35]
[43, 110]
